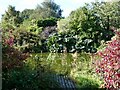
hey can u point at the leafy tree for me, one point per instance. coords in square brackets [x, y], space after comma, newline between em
[109, 13]
[47, 9]
[47, 22]
[63, 25]
[11, 18]
[25, 14]
[92, 23]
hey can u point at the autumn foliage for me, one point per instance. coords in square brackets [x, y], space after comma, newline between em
[109, 65]
[11, 57]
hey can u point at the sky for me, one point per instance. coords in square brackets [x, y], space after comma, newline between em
[66, 5]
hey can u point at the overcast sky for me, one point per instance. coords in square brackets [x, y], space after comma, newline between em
[66, 5]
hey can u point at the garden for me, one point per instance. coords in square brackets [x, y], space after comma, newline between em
[42, 50]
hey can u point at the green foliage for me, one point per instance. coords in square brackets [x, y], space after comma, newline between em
[47, 9]
[86, 81]
[47, 22]
[61, 42]
[83, 30]
[25, 14]
[63, 25]
[28, 42]
[108, 12]
[28, 79]
[11, 19]
[17, 74]
[91, 24]
[79, 67]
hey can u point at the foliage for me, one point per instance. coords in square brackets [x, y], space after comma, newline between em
[88, 25]
[61, 42]
[17, 74]
[12, 58]
[108, 12]
[11, 19]
[29, 26]
[63, 25]
[25, 78]
[84, 30]
[109, 65]
[25, 14]
[42, 29]
[47, 9]
[86, 81]
[77, 68]
[47, 22]
[27, 42]
[91, 23]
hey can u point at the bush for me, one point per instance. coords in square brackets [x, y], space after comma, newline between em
[28, 80]
[18, 75]
[108, 67]
[47, 22]
[86, 82]
[11, 57]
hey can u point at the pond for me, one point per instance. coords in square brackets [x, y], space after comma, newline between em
[61, 63]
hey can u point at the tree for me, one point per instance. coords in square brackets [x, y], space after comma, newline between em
[47, 9]
[25, 14]
[63, 25]
[109, 13]
[92, 23]
[11, 18]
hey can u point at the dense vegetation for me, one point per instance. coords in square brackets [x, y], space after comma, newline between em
[108, 67]
[43, 29]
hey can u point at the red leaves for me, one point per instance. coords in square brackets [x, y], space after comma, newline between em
[109, 66]
[118, 75]
[12, 58]
[9, 41]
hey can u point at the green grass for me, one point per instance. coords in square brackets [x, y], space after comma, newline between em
[87, 82]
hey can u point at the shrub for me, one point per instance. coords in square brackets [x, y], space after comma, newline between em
[47, 22]
[109, 65]
[11, 57]
[25, 79]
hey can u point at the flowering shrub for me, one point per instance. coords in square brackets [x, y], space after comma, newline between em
[11, 57]
[109, 65]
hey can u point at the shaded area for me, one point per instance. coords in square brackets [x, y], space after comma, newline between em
[64, 81]
[87, 84]
[67, 69]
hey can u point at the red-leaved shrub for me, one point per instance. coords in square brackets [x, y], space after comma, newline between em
[109, 64]
[11, 57]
